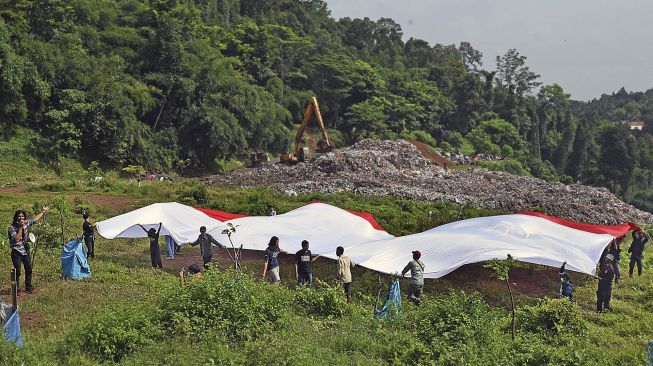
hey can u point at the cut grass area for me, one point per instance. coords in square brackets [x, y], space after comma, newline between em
[122, 278]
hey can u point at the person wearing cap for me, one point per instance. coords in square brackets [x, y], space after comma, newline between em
[205, 241]
[18, 232]
[344, 271]
[416, 268]
[636, 251]
[604, 292]
[566, 286]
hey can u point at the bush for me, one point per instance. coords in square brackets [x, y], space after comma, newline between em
[555, 319]
[132, 171]
[230, 303]
[459, 328]
[119, 332]
[197, 193]
[325, 300]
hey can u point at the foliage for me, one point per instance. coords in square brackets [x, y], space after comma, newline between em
[230, 302]
[132, 171]
[322, 300]
[115, 333]
[557, 320]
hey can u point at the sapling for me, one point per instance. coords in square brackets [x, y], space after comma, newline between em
[500, 269]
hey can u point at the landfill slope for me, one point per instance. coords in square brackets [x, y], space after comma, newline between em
[397, 168]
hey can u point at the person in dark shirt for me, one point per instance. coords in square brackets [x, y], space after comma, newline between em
[615, 250]
[206, 241]
[155, 252]
[18, 233]
[271, 264]
[303, 267]
[604, 292]
[89, 238]
[636, 251]
[566, 285]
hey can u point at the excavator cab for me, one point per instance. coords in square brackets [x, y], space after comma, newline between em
[324, 145]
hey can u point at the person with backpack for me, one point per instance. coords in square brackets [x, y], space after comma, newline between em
[155, 251]
[416, 268]
[344, 271]
[636, 251]
[566, 285]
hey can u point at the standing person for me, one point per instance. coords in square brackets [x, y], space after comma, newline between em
[271, 211]
[303, 267]
[171, 246]
[636, 251]
[18, 241]
[89, 239]
[416, 268]
[271, 264]
[604, 292]
[566, 286]
[205, 241]
[615, 250]
[155, 252]
[344, 271]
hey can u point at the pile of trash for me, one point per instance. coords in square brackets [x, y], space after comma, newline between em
[397, 168]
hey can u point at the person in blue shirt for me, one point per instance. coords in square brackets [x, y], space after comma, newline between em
[271, 264]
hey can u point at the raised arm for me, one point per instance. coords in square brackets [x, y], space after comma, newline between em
[562, 268]
[143, 227]
[40, 214]
[159, 230]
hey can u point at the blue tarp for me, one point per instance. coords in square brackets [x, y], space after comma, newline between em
[12, 330]
[73, 260]
[392, 304]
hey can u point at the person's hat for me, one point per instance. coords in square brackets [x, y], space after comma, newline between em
[609, 257]
[417, 253]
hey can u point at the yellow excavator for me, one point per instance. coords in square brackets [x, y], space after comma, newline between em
[302, 153]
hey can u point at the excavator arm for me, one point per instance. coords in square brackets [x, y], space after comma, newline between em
[312, 108]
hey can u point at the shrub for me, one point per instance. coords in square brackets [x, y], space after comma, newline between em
[457, 327]
[119, 332]
[197, 193]
[552, 318]
[132, 171]
[325, 300]
[229, 302]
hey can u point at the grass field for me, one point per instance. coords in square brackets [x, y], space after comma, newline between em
[130, 314]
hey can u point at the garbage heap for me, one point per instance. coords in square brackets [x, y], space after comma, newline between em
[396, 168]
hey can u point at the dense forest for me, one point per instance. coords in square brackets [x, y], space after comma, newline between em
[172, 84]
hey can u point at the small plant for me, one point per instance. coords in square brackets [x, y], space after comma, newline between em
[500, 269]
[61, 205]
[230, 230]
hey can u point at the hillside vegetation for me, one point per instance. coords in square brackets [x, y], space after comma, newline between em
[173, 85]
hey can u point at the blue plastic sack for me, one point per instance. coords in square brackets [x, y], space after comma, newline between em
[12, 329]
[392, 304]
[73, 260]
